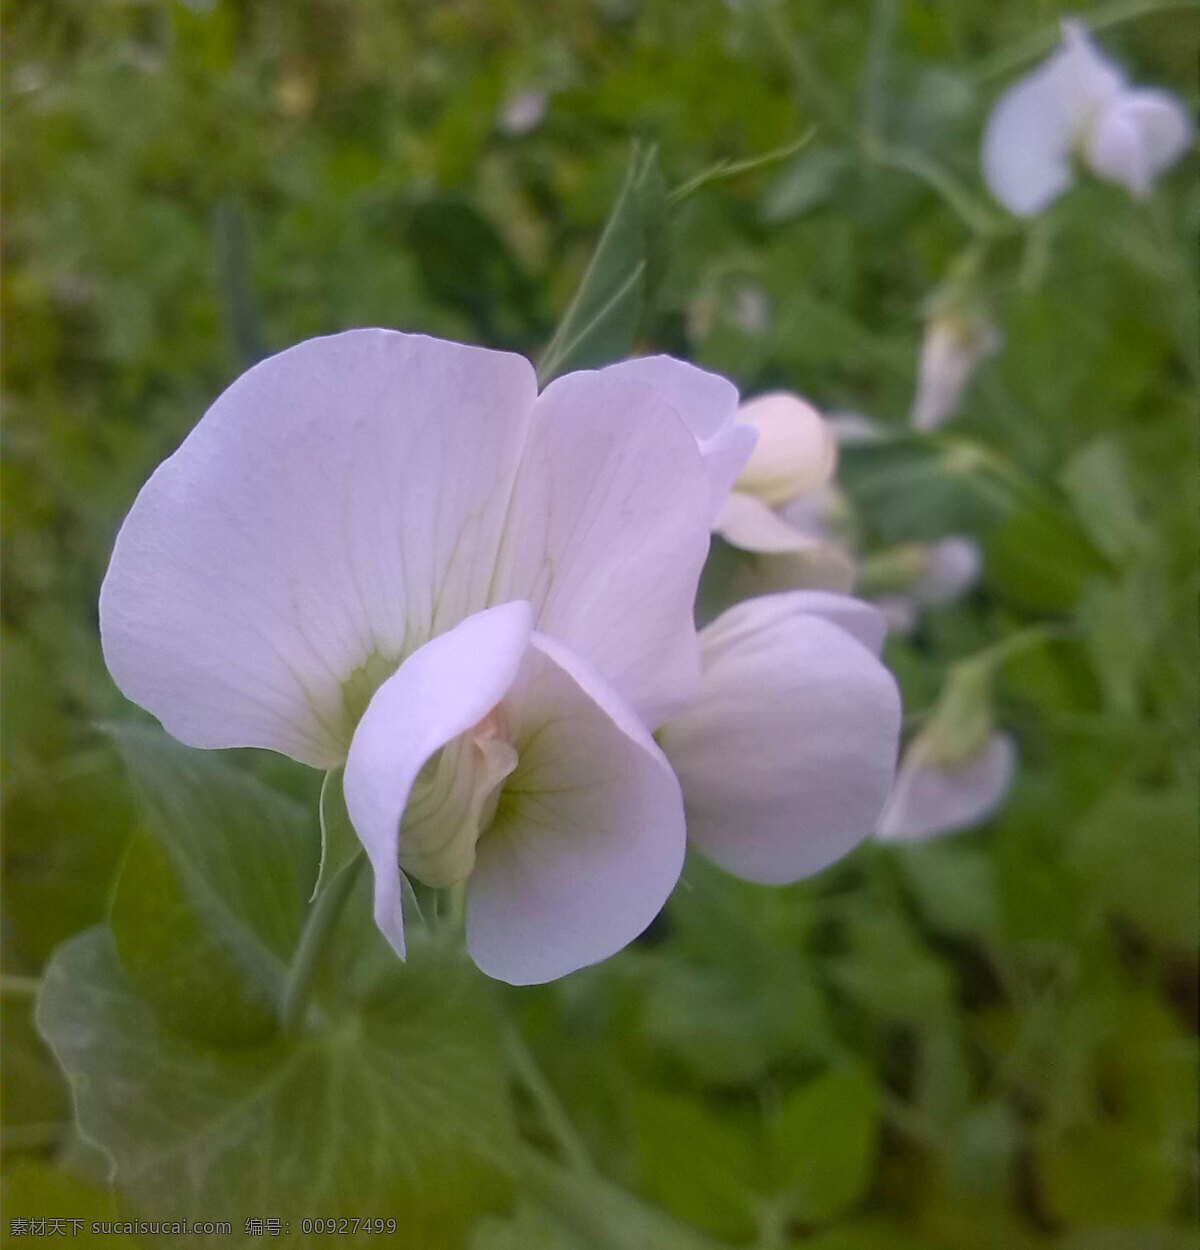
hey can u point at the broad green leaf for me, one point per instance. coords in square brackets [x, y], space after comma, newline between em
[1109, 1173]
[1138, 853]
[397, 1108]
[891, 974]
[923, 488]
[954, 885]
[1039, 559]
[1096, 481]
[808, 182]
[34, 1108]
[604, 1216]
[705, 1167]
[528, 1228]
[825, 1141]
[37, 1190]
[602, 321]
[210, 901]
[64, 836]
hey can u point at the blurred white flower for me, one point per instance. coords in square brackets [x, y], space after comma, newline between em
[913, 576]
[390, 552]
[782, 500]
[932, 797]
[957, 341]
[952, 568]
[1078, 104]
[522, 113]
[751, 310]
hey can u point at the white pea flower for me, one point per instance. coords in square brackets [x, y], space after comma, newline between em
[1078, 105]
[957, 341]
[523, 113]
[782, 500]
[933, 796]
[389, 552]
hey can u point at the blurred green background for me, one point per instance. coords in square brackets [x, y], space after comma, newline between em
[983, 1041]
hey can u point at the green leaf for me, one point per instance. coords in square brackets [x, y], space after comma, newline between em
[604, 1216]
[397, 1108]
[210, 901]
[954, 885]
[1109, 1173]
[825, 1142]
[64, 836]
[1040, 559]
[1137, 852]
[603, 319]
[922, 488]
[1096, 481]
[36, 1190]
[702, 1166]
[808, 182]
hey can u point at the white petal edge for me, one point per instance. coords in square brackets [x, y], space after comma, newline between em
[589, 836]
[1137, 136]
[787, 757]
[707, 403]
[439, 692]
[929, 799]
[748, 524]
[342, 500]
[742, 624]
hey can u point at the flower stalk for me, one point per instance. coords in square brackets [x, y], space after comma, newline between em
[314, 939]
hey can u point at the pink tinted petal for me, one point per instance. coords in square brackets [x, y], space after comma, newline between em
[439, 692]
[341, 501]
[786, 758]
[589, 837]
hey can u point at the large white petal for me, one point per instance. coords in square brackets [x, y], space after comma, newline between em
[708, 405]
[1138, 135]
[608, 532]
[787, 757]
[929, 799]
[796, 451]
[1030, 134]
[337, 505]
[588, 839]
[438, 693]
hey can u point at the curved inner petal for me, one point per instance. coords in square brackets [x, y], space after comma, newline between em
[588, 837]
[442, 695]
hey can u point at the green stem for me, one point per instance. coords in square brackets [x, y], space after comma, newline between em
[322, 917]
[999, 653]
[731, 169]
[19, 987]
[554, 1115]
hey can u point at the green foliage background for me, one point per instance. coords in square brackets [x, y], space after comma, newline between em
[984, 1041]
